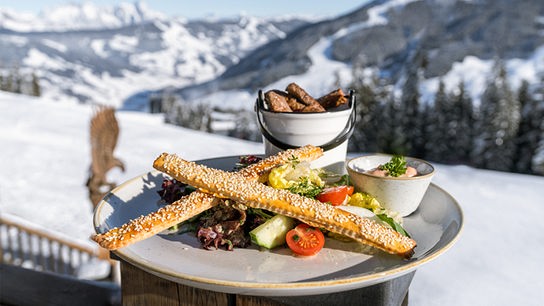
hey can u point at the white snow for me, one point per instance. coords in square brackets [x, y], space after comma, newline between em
[17, 40]
[498, 256]
[231, 100]
[74, 16]
[474, 73]
[38, 59]
[45, 157]
[123, 43]
[55, 45]
[98, 47]
[321, 76]
[180, 58]
[375, 14]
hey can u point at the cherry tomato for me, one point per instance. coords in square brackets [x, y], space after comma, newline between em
[335, 195]
[305, 240]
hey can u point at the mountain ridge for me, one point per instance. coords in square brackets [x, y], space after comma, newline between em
[108, 65]
[395, 35]
[81, 16]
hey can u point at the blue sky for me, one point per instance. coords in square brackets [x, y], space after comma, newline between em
[219, 8]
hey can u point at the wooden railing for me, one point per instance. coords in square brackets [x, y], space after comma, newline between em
[30, 246]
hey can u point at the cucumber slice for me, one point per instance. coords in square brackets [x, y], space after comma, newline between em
[272, 233]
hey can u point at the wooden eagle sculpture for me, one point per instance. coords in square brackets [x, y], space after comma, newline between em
[103, 135]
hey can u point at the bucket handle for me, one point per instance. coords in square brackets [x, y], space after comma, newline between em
[338, 140]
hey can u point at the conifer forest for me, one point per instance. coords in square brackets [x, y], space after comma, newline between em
[504, 132]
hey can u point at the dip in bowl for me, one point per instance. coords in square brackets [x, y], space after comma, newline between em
[401, 194]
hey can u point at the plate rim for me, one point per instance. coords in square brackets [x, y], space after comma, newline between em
[229, 286]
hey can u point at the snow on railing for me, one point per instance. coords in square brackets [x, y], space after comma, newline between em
[28, 245]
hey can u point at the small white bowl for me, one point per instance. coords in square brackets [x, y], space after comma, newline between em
[398, 194]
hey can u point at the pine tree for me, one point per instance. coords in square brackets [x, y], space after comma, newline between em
[500, 116]
[427, 118]
[170, 107]
[538, 159]
[246, 126]
[435, 129]
[365, 97]
[463, 110]
[538, 164]
[450, 116]
[410, 121]
[17, 81]
[368, 111]
[36, 90]
[530, 131]
[203, 113]
[392, 136]
[9, 82]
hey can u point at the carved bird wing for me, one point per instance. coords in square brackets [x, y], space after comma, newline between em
[104, 134]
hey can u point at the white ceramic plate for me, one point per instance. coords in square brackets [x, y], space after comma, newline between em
[340, 266]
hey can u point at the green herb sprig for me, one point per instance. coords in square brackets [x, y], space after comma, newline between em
[260, 212]
[395, 167]
[294, 161]
[306, 188]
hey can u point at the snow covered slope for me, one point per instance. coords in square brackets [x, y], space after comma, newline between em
[45, 157]
[72, 16]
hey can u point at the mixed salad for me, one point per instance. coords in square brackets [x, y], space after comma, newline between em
[235, 225]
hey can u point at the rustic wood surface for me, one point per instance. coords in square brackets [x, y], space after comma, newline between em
[142, 288]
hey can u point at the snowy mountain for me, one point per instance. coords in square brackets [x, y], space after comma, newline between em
[107, 54]
[456, 40]
[114, 55]
[82, 16]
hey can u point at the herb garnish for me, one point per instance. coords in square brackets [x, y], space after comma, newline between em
[305, 187]
[395, 167]
[294, 161]
[260, 212]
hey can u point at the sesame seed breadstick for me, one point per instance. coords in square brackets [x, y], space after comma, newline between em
[236, 187]
[149, 225]
[193, 204]
[260, 170]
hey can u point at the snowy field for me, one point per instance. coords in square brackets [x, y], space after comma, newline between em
[45, 156]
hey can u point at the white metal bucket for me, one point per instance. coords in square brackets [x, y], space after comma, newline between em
[328, 130]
